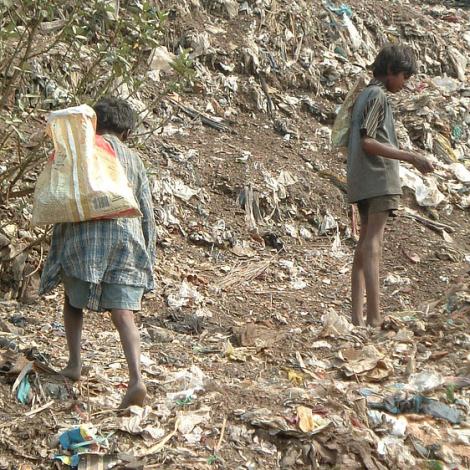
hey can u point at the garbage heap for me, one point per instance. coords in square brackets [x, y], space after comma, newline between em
[248, 353]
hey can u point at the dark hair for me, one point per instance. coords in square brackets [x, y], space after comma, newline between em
[396, 59]
[114, 115]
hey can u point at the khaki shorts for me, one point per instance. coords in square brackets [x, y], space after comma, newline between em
[373, 205]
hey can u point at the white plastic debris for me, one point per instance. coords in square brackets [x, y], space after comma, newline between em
[328, 223]
[459, 61]
[426, 191]
[424, 381]
[298, 284]
[187, 383]
[188, 420]
[184, 296]
[305, 233]
[334, 324]
[461, 172]
[447, 85]
[354, 35]
[397, 426]
[292, 230]
[160, 60]
[396, 280]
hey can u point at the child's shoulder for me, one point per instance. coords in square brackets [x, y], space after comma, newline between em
[373, 91]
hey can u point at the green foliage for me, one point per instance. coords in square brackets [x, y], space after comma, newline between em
[59, 53]
[435, 465]
[212, 459]
[183, 65]
[450, 393]
[108, 47]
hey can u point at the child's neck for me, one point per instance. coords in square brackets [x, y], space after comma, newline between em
[115, 134]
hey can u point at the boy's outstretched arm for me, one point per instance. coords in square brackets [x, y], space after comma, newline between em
[373, 147]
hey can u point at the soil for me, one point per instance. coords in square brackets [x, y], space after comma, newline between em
[287, 320]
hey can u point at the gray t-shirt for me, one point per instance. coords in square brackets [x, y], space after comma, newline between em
[371, 175]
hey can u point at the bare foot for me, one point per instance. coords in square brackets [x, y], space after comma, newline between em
[358, 322]
[72, 372]
[135, 395]
[376, 323]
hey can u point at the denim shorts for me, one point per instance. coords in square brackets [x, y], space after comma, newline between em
[113, 296]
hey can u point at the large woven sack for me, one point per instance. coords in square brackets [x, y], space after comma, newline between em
[84, 179]
[342, 124]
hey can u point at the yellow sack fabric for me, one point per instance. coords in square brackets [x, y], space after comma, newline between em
[84, 179]
[340, 132]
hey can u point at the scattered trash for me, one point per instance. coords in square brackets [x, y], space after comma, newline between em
[396, 280]
[160, 60]
[335, 325]
[461, 172]
[187, 382]
[184, 296]
[421, 405]
[310, 423]
[397, 426]
[424, 381]
[426, 191]
[367, 361]
[189, 421]
[77, 442]
[328, 223]
[248, 353]
[279, 426]
[235, 354]
[140, 422]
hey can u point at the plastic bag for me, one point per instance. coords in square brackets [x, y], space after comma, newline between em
[84, 179]
[354, 35]
[340, 132]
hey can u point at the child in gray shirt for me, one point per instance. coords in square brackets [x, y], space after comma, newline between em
[373, 173]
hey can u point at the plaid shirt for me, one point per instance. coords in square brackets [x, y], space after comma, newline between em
[116, 251]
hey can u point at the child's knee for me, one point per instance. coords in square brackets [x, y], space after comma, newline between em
[122, 318]
[373, 246]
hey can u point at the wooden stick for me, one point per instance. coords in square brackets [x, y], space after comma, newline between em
[160, 445]
[432, 224]
[204, 118]
[41, 408]
[222, 432]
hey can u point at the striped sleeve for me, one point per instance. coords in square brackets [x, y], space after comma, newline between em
[373, 116]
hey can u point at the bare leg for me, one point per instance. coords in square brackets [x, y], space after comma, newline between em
[354, 212]
[73, 322]
[130, 339]
[372, 256]
[357, 277]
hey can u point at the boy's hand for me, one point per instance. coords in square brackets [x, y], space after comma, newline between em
[422, 164]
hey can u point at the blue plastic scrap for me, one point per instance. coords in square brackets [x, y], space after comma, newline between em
[341, 10]
[77, 441]
[69, 439]
[70, 460]
[24, 390]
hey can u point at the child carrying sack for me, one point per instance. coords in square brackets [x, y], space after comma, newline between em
[342, 124]
[84, 179]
